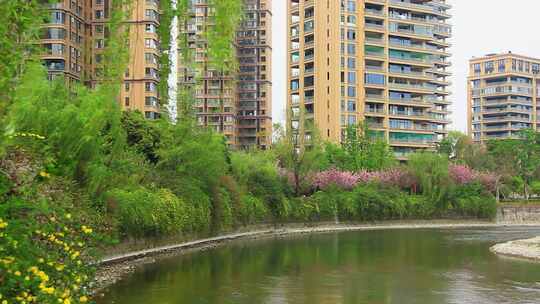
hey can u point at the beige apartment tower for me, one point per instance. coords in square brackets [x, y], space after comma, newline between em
[503, 96]
[74, 39]
[383, 62]
[236, 104]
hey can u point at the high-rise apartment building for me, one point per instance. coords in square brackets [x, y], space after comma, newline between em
[75, 37]
[254, 81]
[236, 104]
[384, 62]
[503, 96]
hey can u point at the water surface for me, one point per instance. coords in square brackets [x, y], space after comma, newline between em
[394, 266]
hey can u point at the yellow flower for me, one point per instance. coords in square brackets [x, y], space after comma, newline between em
[17, 273]
[67, 301]
[68, 216]
[86, 230]
[83, 299]
[60, 267]
[44, 174]
[3, 224]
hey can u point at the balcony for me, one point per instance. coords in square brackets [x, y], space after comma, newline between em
[376, 41]
[375, 111]
[373, 26]
[422, 7]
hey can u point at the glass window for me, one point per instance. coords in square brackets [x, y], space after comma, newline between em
[375, 78]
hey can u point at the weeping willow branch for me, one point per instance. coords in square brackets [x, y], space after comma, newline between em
[226, 17]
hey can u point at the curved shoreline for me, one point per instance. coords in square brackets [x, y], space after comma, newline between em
[528, 249]
[113, 268]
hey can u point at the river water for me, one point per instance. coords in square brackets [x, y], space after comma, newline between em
[393, 266]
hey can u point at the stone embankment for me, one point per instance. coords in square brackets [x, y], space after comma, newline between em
[525, 249]
[518, 214]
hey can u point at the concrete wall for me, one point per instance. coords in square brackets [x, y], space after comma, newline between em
[519, 214]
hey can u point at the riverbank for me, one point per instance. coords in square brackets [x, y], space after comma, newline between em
[525, 249]
[115, 267]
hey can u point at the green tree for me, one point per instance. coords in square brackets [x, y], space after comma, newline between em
[301, 154]
[455, 145]
[20, 22]
[431, 173]
[360, 151]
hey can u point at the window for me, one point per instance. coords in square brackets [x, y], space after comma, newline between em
[126, 86]
[150, 87]
[295, 84]
[309, 81]
[150, 101]
[150, 58]
[351, 91]
[351, 63]
[351, 6]
[351, 77]
[58, 17]
[100, 43]
[309, 25]
[351, 49]
[351, 35]
[488, 67]
[150, 43]
[150, 28]
[502, 66]
[151, 14]
[99, 14]
[126, 101]
[351, 106]
[476, 68]
[99, 29]
[54, 33]
[375, 78]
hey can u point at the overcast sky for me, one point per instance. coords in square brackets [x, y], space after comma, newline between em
[480, 27]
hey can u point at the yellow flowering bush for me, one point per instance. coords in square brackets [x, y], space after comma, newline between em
[43, 256]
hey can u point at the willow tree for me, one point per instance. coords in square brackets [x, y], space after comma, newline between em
[20, 22]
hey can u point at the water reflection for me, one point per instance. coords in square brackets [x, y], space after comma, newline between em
[400, 266]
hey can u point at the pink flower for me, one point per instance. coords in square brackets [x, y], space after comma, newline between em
[333, 177]
[461, 174]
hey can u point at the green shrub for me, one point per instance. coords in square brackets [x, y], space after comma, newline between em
[253, 210]
[535, 187]
[473, 200]
[143, 212]
[376, 202]
[419, 207]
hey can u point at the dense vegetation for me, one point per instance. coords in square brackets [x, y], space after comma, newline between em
[74, 168]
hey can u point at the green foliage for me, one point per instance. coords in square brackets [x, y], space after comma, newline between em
[19, 29]
[142, 134]
[299, 156]
[456, 145]
[360, 151]
[149, 213]
[473, 200]
[535, 187]
[253, 210]
[431, 172]
[83, 130]
[379, 203]
[226, 17]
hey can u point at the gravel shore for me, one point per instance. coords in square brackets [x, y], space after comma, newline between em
[113, 268]
[526, 249]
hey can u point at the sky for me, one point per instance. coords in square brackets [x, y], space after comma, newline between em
[480, 27]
